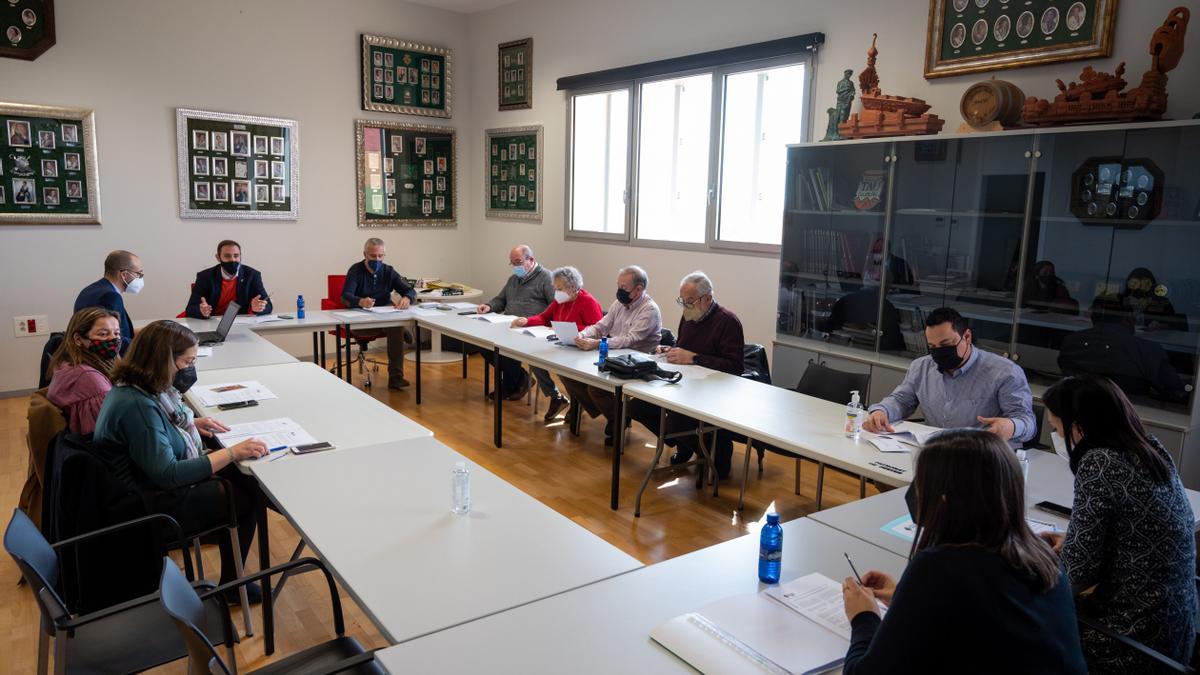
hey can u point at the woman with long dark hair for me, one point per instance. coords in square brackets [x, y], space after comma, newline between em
[981, 594]
[1129, 548]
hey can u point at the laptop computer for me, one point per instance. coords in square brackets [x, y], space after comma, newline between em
[216, 337]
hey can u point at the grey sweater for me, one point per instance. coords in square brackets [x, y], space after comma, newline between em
[525, 297]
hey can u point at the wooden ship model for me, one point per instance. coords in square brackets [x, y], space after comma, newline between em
[886, 115]
[1098, 97]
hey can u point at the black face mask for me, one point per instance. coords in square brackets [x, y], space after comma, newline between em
[623, 296]
[946, 358]
[231, 267]
[184, 379]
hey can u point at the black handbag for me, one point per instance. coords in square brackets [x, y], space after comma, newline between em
[638, 367]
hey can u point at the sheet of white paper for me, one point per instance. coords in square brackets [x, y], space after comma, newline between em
[420, 311]
[231, 392]
[495, 318]
[203, 351]
[566, 331]
[460, 306]
[887, 444]
[247, 320]
[816, 597]
[541, 332]
[283, 432]
[385, 309]
[350, 315]
[1040, 526]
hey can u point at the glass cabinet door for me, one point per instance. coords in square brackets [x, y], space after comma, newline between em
[1113, 287]
[955, 238]
[835, 216]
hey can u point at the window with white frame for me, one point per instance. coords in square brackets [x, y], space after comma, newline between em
[689, 160]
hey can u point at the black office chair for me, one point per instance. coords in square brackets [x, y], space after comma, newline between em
[185, 607]
[1035, 443]
[128, 637]
[48, 350]
[1151, 655]
[829, 384]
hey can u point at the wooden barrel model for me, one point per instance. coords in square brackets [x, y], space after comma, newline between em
[992, 101]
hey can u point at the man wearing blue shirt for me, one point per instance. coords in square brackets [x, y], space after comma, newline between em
[959, 385]
[370, 283]
[122, 274]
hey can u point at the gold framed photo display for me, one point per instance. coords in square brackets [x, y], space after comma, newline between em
[407, 174]
[512, 170]
[48, 171]
[405, 77]
[971, 36]
[514, 81]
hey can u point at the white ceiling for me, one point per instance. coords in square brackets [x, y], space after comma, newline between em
[464, 6]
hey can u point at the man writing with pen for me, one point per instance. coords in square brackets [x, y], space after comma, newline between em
[958, 385]
[228, 281]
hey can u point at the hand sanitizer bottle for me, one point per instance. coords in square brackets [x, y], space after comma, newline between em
[854, 416]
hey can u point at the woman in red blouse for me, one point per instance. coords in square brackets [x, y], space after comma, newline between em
[571, 303]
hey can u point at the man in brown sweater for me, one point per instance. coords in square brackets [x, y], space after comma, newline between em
[710, 336]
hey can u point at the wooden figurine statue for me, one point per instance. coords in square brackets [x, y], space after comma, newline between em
[885, 115]
[1097, 97]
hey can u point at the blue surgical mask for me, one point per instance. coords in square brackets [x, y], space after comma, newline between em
[519, 271]
[374, 265]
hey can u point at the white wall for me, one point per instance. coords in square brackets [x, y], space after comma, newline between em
[134, 62]
[578, 36]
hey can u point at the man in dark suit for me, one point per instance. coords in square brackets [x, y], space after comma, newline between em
[123, 273]
[228, 281]
[369, 283]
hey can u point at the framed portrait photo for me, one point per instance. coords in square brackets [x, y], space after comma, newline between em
[394, 167]
[972, 36]
[264, 153]
[410, 90]
[48, 165]
[511, 170]
[515, 62]
[28, 28]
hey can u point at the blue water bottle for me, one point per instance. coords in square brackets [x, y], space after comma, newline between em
[603, 352]
[770, 550]
[299, 306]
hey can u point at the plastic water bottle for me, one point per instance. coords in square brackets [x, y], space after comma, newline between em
[603, 352]
[770, 550]
[460, 488]
[1023, 459]
[299, 306]
[854, 416]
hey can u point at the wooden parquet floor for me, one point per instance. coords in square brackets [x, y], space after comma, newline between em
[569, 474]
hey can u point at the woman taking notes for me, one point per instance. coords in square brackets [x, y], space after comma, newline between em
[1130, 542]
[81, 367]
[981, 594]
[156, 442]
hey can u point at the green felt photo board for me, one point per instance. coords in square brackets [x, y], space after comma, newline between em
[968, 36]
[26, 28]
[512, 173]
[48, 169]
[406, 78]
[514, 83]
[237, 166]
[407, 174]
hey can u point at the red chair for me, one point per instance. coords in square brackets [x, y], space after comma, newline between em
[335, 283]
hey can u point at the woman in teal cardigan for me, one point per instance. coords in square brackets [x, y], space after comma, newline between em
[157, 443]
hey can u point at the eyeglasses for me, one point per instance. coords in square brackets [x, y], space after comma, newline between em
[139, 275]
[688, 304]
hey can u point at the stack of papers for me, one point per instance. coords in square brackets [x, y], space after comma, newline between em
[495, 318]
[247, 320]
[542, 332]
[912, 433]
[798, 627]
[566, 331]
[213, 395]
[350, 315]
[385, 309]
[278, 434]
[886, 444]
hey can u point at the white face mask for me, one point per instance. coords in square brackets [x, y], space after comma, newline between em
[1060, 445]
[135, 286]
[561, 297]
